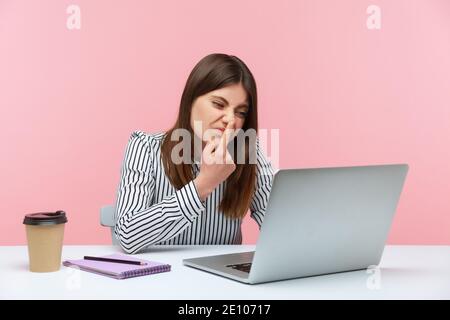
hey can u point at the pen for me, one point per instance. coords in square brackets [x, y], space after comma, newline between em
[114, 260]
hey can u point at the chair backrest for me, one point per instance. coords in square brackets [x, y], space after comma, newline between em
[107, 220]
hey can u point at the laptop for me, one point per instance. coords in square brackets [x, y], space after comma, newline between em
[318, 221]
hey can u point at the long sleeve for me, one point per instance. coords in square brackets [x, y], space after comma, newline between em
[264, 180]
[139, 223]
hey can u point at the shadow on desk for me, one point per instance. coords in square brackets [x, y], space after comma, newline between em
[350, 280]
[176, 248]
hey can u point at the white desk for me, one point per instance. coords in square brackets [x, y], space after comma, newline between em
[406, 272]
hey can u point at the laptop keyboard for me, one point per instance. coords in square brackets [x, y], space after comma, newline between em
[244, 267]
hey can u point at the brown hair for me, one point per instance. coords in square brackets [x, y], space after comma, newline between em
[213, 72]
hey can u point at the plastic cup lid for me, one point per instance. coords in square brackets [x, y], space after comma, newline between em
[45, 218]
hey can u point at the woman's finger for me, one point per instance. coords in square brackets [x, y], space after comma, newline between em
[226, 138]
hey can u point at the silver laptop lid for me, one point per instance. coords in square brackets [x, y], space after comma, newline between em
[326, 220]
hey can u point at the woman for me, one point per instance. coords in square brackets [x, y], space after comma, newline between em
[202, 199]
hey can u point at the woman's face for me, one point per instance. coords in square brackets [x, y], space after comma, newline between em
[217, 108]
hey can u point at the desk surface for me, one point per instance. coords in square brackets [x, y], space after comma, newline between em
[405, 272]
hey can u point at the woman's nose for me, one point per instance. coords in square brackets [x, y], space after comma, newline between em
[228, 117]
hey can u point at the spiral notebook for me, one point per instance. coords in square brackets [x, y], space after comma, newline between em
[118, 270]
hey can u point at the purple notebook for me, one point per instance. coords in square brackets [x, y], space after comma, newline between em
[118, 270]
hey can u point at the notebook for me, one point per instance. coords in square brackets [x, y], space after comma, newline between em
[118, 270]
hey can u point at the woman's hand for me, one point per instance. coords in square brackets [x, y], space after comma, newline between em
[216, 165]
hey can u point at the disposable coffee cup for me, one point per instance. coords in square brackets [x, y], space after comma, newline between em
[45, 233]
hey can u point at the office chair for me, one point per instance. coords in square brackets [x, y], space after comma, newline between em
[107, 220]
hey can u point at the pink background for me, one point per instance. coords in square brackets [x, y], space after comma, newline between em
[339, 93]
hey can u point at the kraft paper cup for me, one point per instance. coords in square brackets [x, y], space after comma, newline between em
[45, 233]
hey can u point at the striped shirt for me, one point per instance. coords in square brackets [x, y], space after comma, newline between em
[149, 210]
